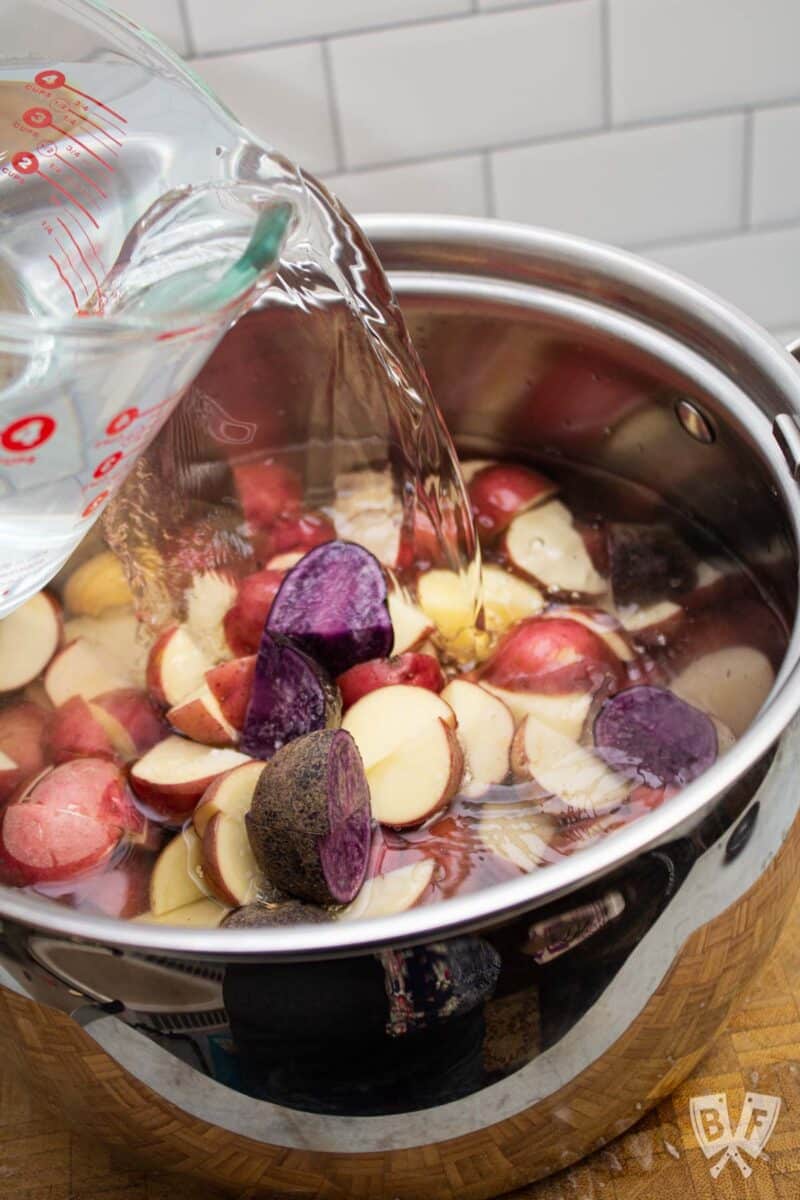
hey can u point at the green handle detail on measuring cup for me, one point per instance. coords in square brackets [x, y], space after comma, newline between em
[263, 251]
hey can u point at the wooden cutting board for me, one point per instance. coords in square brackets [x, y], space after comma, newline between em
[41, 1158]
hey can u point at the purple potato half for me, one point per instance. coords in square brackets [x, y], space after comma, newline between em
[310, 823]
[333, 605]
[291, 696]
[650, 732]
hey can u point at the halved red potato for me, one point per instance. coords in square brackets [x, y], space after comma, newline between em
[66, 823]
[29, 638]
[553, 655]
[80, 670]
[172, 776]
[176, 666]
[544, 544]
[266, 490]
[485, 728]
[23, 745]
[200, 717]
[416, 670]
[130, 720]
[501, 491]
[76, 733]
[230, 794]
[229, 866]
[231, 683]
[244, 622]
[394, 892]
[177, 877]
[97, 585]
[565, 770]
[406, 739]
[604, 624]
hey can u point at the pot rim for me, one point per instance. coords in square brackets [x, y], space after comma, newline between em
[492, 905]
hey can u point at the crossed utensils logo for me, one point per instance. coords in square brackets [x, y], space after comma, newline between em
[712, 1128]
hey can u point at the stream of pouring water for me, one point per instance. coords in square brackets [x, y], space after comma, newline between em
[362, 410]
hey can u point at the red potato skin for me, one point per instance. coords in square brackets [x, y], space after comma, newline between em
[24, 736]
[244, 621]
[75, 733]
[136, 713]
[293, 531]
[206, 546]
[231, 684]
[499, 492]
[416, 670]
[552, 655]
[67, 823]
[266, 491]
[596, 543]
[582, 396]
[122, 890]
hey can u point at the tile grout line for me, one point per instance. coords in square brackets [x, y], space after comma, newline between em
[787, 225]
[408, 23]
[188, 32]
[605, 50]
[748, 134]
[333, 106]
[489, 198]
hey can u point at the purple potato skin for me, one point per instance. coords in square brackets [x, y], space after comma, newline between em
[291, 696]
[649, 563]
[652, 733]
[310, 822]
[275, 916]
[333, 605]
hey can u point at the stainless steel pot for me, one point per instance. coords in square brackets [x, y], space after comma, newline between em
[468, 1048]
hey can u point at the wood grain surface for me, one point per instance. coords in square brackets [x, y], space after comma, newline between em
[42, 1158]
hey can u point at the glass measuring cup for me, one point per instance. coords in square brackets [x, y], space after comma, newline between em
[138, 221]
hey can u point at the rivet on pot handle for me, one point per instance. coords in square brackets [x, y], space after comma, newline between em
[786, 426]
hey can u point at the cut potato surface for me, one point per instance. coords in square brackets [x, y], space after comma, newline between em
[485, 729]
[97, 585]
[637, 617]
[601, 623]
[566, 714]
[230, 794]
[446, 599]
[517, 832]
[383, 720]
[207, 601]
[410, 624]
[418, 779]
[731, 684]
[172, 776]
[200, 717]
[566, 770]
[80, 670]
[29, 637]
[394, 892]
[508, 599]
[201, 914]
[118, 637]
[176, 876]
[544, 544]
[176, 666]
[229, 867]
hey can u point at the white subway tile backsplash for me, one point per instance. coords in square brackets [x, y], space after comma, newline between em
[280, 95]
[628, 187]
[776, 168]
[161, 17]
[758, 272]
[466, 84]
[451, 185]
[679, 56]
[239, 23]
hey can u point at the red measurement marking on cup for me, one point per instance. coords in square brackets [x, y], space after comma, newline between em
[42, 118]
[72, 266]
[65, 281]
[107, 465]
[51, 79]
[86, 178]
[28, 164]
[84, 117]
[121, 421]
[82, 256]
[27, 433]
[93, 505]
